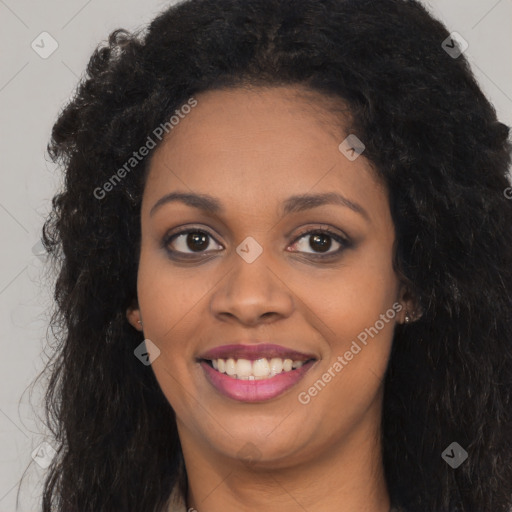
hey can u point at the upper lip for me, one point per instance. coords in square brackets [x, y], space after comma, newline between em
[254, 351]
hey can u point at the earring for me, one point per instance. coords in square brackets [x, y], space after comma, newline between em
[139, 322]
[407, 318]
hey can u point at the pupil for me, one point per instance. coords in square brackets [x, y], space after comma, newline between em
[323, 242]
[199, 239]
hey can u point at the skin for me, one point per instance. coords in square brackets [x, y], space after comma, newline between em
[252, 149]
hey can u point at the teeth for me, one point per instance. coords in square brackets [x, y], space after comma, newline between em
[260, 367]
[231, 367]
[245, 369]
[276, 366]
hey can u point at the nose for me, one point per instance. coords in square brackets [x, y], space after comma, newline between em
[252, 294]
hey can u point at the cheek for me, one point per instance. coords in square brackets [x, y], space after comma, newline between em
[168, 294]
[358, 309]
[167, 305]
[363, 323]
[352, 298]
[358, 306]
[169, 301]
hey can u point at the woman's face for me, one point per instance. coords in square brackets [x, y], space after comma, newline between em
[230, 273]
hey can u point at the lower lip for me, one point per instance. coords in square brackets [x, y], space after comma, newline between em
[254, 390]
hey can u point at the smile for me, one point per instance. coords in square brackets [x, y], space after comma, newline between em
[259, 369]
[254, 381]
[254, 373]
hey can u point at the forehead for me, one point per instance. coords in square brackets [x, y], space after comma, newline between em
[260, 144]
[238, 113]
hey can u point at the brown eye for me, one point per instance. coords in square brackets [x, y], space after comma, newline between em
[189, 242]
[320, 242]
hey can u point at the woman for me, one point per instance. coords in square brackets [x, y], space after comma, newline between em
[285, 258]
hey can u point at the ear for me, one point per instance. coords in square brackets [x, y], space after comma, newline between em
[133, 316]
[411, 308]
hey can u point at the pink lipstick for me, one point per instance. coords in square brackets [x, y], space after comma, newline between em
[254, 373]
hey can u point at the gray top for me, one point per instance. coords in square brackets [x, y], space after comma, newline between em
[175, 503]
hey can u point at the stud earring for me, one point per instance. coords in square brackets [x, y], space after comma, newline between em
[139, 322]
[407, 318]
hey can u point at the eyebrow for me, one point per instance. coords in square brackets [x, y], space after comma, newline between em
[306, 201]
[292, 204]
[202, 201]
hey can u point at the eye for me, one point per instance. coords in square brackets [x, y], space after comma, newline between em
[320, 242]
[190, 241]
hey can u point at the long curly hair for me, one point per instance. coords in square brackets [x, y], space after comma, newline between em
[432, 137]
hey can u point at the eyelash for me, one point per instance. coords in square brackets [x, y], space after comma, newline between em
[344, 242]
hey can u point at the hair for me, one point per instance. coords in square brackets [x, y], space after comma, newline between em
[431, 136]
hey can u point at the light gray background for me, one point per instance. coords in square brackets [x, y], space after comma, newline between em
[32, 91]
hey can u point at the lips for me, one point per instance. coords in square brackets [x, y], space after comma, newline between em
[255, 372]
[253, 352]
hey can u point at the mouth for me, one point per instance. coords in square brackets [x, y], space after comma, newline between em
[259, 369]
[254, 373]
